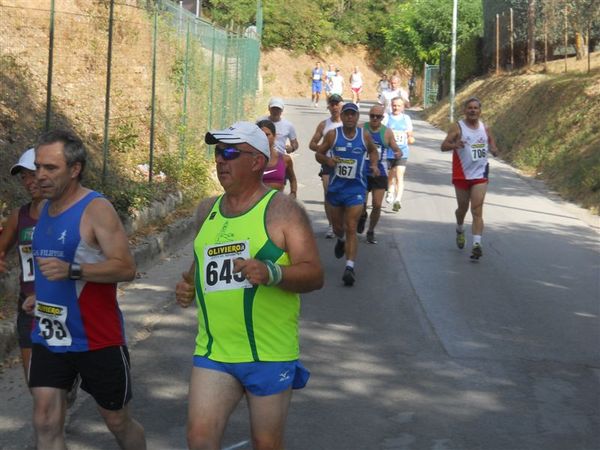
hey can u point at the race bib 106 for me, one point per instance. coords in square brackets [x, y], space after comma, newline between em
[218, 272]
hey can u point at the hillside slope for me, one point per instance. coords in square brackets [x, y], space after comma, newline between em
[545, 124]
[287, 74]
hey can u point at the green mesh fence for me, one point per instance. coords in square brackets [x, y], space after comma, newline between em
[137, 79]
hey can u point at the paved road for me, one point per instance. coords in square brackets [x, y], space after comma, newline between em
[427, 351]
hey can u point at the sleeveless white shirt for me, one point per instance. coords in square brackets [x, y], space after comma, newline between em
[470, 162]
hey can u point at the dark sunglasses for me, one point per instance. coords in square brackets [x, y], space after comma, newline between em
[375, 116]
[228, 153]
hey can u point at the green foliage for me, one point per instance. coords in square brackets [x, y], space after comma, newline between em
[124, 137]
[223, 12]
[128, 196]
[469, 60]
[310, 25]
[178, 72]
[421, 31]
[193, 174]
[295, 25]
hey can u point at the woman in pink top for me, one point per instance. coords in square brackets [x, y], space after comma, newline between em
[280, 166]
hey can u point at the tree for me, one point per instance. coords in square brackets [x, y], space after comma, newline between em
[531, 16]
[421, 31]
[582, 15]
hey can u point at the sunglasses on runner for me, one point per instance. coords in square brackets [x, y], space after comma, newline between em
[228, 153]
[375, 116]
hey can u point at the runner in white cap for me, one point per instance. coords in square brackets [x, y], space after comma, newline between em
[285, 129]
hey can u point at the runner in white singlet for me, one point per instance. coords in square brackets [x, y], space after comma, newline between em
[470, 141]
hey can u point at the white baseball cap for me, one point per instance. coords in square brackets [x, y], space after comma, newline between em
[276, 102]
[26, 161]
[241, 133]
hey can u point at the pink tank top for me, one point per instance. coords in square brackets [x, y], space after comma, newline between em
[275, 174]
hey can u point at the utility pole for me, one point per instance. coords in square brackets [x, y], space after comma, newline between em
[497, 44]
[453, 61]
[512, 41]
[531, 32]
[566, 35]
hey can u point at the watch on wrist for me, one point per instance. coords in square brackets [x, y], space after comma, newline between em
[75, 271]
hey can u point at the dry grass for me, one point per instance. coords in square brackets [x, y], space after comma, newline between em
[287, 74]
[78, 99]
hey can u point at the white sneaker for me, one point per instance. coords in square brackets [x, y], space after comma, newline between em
[389, 197]
[329, 234]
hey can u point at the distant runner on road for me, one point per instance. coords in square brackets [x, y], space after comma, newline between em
[377, 185]
[281, 166]
[328, 76]
[394, 90]
[344, 149]
[286, 132]
[356, 84]
[401, 125]
[317, 83]
[470, 140]
[337, 83]
[334, 105]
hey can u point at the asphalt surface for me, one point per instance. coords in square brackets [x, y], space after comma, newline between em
[427, 351]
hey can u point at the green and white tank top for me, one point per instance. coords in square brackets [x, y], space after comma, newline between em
[238, 322]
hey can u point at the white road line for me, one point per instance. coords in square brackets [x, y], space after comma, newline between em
[238, 445]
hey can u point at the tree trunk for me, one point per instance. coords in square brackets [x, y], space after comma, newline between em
[580, 45]
[531, 33]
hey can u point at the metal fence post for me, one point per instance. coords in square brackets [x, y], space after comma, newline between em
[153, 97]
[225, 80]
[238, 91]
[212, 77]
[183, 124]
[107, 101]
[50, 67]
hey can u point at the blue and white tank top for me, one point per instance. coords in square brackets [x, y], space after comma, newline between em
[378, 140]
[72, 315]
[400, 126]
[349, 175]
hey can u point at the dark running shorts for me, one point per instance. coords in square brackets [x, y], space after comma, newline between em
[394, 162]
[24, 324]
[374, 183]
[105, 373]
[325, 170]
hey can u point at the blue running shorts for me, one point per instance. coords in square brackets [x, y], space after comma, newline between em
[338, 199]
[261, 378]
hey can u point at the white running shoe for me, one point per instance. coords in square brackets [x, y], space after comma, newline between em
[329, 234]
[389, 197]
